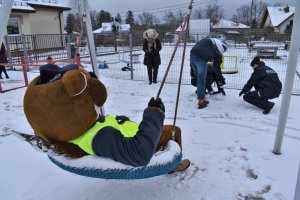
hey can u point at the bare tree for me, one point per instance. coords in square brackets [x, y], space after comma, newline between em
[148, 19]
[94, 15]
[170, 18]
[214, 12]
[198, 13]
[243, 14]
[180, 15]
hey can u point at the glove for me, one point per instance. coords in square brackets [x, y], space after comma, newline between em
[156, 103]
[241, 93]
[222, 81]
[221, 89]
[121, 119]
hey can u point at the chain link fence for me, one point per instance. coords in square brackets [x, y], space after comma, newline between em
[118, 52]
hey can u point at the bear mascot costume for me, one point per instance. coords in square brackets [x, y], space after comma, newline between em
[60, 107]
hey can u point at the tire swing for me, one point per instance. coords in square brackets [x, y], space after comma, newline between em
[162, 162]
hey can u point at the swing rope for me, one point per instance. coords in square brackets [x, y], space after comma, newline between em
[185, 27]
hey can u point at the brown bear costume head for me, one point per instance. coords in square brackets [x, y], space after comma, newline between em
[64, 109]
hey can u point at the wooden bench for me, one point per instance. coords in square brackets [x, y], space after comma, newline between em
[267, 51]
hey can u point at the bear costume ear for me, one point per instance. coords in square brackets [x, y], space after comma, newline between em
[98, 92]
[76, 82]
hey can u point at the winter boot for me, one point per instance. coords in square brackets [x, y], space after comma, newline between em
[202, 103]
[183, 165]
[268, 108]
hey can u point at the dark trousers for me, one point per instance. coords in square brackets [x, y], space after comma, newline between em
[254, 99]
[152, 73]
[2, 69]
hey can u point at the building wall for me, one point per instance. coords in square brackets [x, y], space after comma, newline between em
[283, 26]
[268, 22]
[45, 22]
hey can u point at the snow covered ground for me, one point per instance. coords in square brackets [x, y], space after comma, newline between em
[229, 144]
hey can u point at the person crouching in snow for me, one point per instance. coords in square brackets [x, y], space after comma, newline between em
[266, 83]
[204, 51]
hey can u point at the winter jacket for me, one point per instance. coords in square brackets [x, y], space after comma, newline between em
[152, 56]
[130, 144]
[265, 80]
[3, 58]
[208, 51]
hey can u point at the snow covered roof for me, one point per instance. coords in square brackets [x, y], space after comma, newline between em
[224, 23]
[279, 14]
[107, 27]
[27, 5]
[196, 24]
[50, 3]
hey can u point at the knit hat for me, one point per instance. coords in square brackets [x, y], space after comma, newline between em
[255, 60]
[221, 45]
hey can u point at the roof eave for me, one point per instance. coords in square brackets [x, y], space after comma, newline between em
[48, 6]
[15, 10]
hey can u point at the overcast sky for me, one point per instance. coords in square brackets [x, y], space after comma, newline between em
[158, 7]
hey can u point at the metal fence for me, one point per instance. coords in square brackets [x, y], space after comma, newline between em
[116, 51]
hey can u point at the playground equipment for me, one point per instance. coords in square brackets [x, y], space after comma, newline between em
[25, 66]
[229, 64]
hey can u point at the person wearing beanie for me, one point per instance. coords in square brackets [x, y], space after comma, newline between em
[266, 84]
[207, 51]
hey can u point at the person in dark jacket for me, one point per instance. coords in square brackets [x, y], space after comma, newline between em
[3, 59]
[151, 47]
[207, 51]
[266, 83]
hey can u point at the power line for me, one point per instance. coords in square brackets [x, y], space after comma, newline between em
[162, 9]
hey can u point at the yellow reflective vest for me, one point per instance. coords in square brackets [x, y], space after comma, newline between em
[127, 129]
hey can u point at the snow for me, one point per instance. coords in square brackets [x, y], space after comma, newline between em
[22, 4]
[107, 27]
[278, 15]
[229, 144]
[223, 23]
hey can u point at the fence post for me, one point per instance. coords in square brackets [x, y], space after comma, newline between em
[24, 71]
[131, 49]
[69, 47]
[23, 39]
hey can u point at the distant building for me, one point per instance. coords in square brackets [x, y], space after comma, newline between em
[228, 24]
[107, 27]
[36, 17]
[198, 29]
[279, 18]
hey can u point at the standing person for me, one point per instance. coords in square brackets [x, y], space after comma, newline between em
[207, 50]
[3, 59]
[266, 83]
[151, 47]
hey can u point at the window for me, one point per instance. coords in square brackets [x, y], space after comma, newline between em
[13, 26]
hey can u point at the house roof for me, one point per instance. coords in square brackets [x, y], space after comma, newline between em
[27, 6]
[107, 27]
[197, 24]
[278, 14]
[224, 23]
[50, 4]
